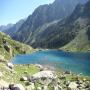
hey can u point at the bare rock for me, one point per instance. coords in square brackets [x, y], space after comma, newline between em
[73, 86]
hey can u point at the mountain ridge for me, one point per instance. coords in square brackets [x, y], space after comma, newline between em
[59, 9]
[65, 31]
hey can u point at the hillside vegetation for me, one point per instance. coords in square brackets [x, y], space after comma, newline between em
[9, 47]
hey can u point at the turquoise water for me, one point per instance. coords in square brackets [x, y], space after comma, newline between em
[75, 62]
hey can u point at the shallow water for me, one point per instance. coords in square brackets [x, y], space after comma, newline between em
[75, 62]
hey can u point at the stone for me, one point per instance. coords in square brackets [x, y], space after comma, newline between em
[62, 77]
[67, 72]
[10, 65]
[39, 66]
[73, 86]
[79, 82]
[23, 79]
[46, 74]
[19, 87]
[39, 88]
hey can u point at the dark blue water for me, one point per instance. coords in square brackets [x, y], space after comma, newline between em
[75, 62]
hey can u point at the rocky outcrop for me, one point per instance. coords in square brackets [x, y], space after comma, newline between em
[31, 28]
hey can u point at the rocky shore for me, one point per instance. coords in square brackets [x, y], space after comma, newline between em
[38, 77]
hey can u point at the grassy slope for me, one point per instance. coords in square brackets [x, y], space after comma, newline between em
[13, 44]
[19, 72]
[80, 43]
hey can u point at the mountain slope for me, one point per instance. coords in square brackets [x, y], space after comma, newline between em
[5, 27]
[9, 47]
[66, 31]
[45, 14]
[80, 43]
[12, 30]
[82, 40]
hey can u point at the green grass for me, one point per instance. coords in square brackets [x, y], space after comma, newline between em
[22, 48]
[79, 44]
[19, 72]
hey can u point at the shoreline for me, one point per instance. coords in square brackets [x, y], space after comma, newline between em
[20, 72]
[53, 69]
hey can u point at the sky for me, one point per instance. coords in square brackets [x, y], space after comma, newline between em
[12, 11]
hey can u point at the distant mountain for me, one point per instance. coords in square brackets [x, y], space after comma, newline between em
[72, 33]
[12, 30]
[44, 14]
[5, 27]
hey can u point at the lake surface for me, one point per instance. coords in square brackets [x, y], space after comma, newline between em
[75, 62]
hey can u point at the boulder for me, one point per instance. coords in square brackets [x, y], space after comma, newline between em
[73, 86]
[40, 67]
[67, 72]
[45, 74]
[10, 65]
[30, 87]
[62, 77]
[1, 57]
[18, 87]
[23, 79]
[7, 48]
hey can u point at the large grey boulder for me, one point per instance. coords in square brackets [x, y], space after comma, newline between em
[73, 86]
[18, 87]
[46, 74]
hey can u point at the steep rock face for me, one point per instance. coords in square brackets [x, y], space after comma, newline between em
[62, 32]
[45, 14]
